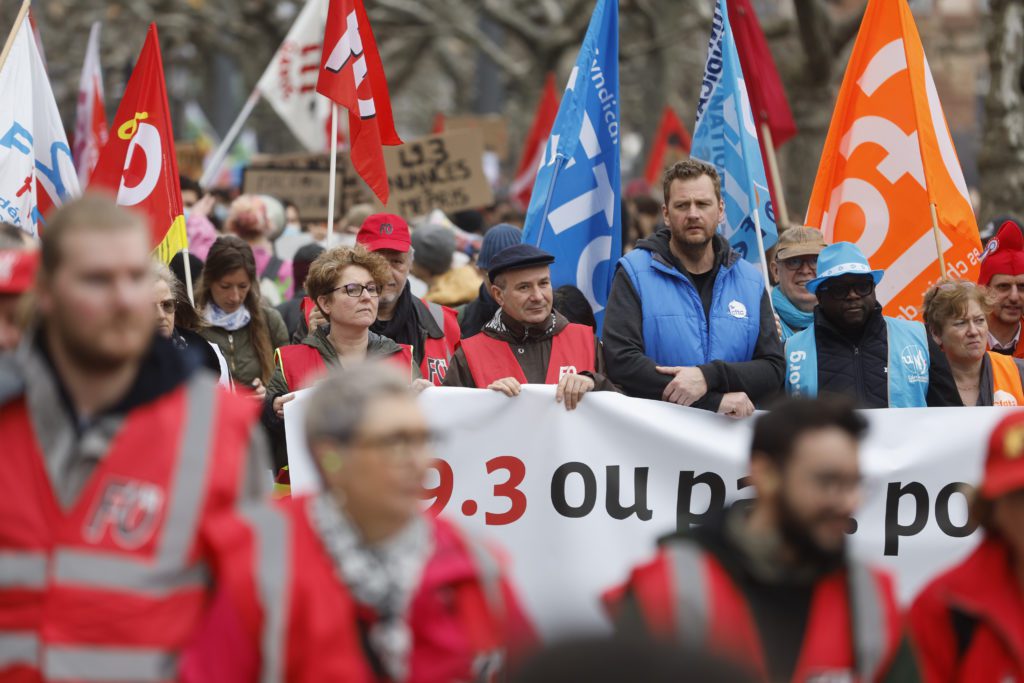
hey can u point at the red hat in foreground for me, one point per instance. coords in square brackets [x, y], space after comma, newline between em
[1004, 467]
[384, 231]
[1004, 254]
[17, 270]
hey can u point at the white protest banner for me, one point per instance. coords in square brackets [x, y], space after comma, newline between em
[578, 498]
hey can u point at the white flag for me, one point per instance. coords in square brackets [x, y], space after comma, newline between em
[289, 83]
[36, 170]
[90, 115]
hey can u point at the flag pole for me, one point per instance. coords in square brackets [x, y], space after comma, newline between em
[773, 169]
[547, 200]
[334, 173]
[938, 239]
[14, 31]
[222, 151]
[188, 277]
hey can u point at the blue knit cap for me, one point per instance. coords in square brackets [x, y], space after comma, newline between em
[497, 238]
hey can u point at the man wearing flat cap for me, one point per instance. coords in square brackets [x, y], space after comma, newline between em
[795, 264]
[526, 342]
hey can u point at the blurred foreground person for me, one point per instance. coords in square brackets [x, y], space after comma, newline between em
[125, 470]
[624, 660]
[18, 264]
[770, 584]
[968, 624]
[433, 603]
[955, 312]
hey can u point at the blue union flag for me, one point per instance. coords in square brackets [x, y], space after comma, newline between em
[725, 135]
[574, 210]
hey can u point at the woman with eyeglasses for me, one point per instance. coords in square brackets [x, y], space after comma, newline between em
[955, 313]
[178, 321]
[345, 284]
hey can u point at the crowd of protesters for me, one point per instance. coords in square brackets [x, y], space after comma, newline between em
[180, 566]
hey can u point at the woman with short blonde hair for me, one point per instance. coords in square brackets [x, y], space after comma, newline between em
[955, 313]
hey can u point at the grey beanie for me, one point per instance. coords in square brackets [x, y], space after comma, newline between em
[501, 236]
[433, 247]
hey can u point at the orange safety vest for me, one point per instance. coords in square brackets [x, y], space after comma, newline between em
[302, 364]
[686, 593]
[115, 586]
[1006, 384]
[490, 359]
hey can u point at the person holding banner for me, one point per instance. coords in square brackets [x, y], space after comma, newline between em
[852, 349]
[345, 284]
[770, 583]
[1002, 276]
[689, 321]
[955, 313]
[968, 623]
[795, 264]
[527, 341]
[432, 330]
[433, 603]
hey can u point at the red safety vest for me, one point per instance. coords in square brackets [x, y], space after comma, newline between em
[686, 593]
[302, 364]
[490, 359]
[437, 353]
[115, 586]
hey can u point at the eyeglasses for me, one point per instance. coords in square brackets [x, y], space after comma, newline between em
[842, 291]
[798, 262]
[168, 306]
[402, 442]
[355, 290]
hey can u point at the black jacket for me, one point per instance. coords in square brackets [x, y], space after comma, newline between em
[858, 366]
[477, 313]
[628, 367]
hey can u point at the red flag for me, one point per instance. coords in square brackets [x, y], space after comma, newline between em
[351, 74]
[139, 162]
[536, 140]
[767, 96]
[438, 127]
[91, 115]
[671, 135]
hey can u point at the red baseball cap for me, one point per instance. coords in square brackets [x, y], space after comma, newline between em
[384, 231]
[1004, 467]
[17, 270]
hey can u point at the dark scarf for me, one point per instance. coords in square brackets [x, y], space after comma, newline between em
[404, 326]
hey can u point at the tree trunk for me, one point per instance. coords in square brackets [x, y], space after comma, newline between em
[1001, 161]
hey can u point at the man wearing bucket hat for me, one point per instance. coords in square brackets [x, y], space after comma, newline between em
[851, 348]
[968, 624]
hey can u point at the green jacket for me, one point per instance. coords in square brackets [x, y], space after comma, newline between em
[238, 349]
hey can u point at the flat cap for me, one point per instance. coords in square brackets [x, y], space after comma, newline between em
[516, 257]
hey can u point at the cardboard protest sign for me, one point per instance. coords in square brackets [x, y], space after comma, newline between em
[493, 127]
[438, 172]
[304, 179]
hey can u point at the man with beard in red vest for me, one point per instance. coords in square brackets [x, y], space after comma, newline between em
[769, 583]
[133, 485]
[527, 341]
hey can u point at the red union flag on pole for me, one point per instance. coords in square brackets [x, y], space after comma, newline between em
[536, 142]
[90, 116]
[352, 76]
[671, 136]
[888, 160]
[138, 161]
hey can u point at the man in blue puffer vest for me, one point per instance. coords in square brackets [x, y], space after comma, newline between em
[688, 320]
[852, 349]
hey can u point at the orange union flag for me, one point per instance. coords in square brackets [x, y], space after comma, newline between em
[888, 158]
[138, 162]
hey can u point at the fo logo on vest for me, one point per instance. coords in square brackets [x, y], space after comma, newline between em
[129, 509]
[916, 361]
[564, 370]
[437, 368]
